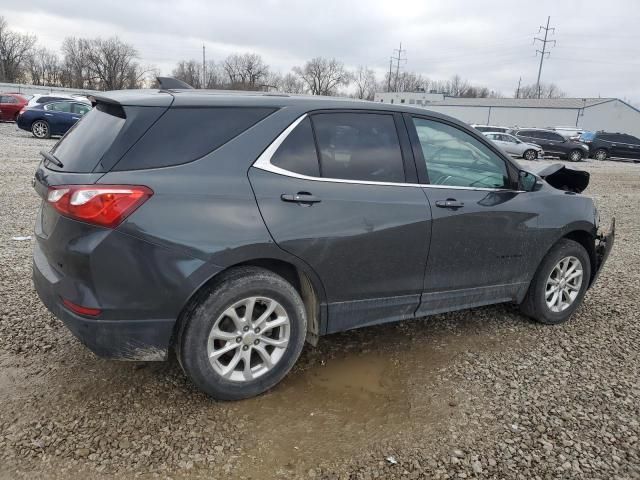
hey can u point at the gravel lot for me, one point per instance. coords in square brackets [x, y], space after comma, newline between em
[483, 393]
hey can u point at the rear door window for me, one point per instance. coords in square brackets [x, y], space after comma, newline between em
[359, 146]
[59, 107]
[298, 151]
[184, 134]
[79, 108]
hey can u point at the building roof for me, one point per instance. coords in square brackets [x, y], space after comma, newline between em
[521, 102]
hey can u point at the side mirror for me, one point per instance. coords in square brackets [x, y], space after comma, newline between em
[528, 181]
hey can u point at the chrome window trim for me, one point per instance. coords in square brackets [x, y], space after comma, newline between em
[264, 163]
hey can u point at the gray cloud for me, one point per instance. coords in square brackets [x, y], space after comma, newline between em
[488, 42]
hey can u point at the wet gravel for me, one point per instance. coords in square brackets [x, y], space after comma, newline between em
[483, 393]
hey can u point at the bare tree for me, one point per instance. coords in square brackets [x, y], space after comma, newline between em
[15, 50]
[189, 71]
[547, 90]
[215, 77]
[76, 72]
[45, 67]
[365, 80]
[245, 71]
[113, 63]
[255, 70]
[291, 84]
[323, 76]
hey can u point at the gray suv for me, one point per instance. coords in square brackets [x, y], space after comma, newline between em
[231, 228]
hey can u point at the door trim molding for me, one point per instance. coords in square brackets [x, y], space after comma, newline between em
[264, 163]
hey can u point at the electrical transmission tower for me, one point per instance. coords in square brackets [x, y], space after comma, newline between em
[544, 51]
[398, 58]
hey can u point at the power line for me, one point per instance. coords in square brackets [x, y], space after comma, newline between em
[543, 52]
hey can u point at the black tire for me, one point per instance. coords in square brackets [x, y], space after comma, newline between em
[600, 154]
[530, 154]
[40, 129]
[534, 304]
[233, 286]
[575, 155]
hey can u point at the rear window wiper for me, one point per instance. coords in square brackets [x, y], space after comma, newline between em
[52, 158]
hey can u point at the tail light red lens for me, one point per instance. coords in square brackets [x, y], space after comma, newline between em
[74, 307]
[104, 205]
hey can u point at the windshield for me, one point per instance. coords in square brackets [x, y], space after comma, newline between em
[587, 136]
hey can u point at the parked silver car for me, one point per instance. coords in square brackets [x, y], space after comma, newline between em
[515, 147]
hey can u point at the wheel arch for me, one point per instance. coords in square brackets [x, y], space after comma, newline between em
[304, 280]
[587, 240]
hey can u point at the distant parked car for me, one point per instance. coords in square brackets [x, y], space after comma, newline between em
[489, 128]
[514, 146]
[10, 105]
[54, 97]
[553, 143]
[572, 133]
[53, 118]
[606, 144]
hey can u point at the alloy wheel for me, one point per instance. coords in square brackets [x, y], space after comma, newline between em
[248, 339]
[575, 156]
[563, 285]
[40, 129]
[601, 155]
[530, 155]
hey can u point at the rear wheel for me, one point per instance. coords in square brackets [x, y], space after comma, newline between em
[40, 129]
[530, 154]
[245, 335]
[575, 155]
[600, 154]
[559, 285]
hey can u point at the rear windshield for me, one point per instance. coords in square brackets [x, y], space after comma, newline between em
[85, 144]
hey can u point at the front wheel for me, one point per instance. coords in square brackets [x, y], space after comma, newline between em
[600, 154]
[559, 285]
[244, 336]
[530, 154]
[40, 129]
[575, 155]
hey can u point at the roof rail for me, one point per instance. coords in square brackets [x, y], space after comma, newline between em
[170, 83]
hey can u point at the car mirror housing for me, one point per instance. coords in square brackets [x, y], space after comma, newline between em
[528, 181]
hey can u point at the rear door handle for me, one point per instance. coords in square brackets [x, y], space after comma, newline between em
[300, 197]
[449, 203]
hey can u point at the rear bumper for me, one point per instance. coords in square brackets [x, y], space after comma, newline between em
[604, 244]
[121, 339]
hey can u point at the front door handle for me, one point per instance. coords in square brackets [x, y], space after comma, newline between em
[301, 197]
[449, 203]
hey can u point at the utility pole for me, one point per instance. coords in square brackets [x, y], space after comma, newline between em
[204, 69]
[389, 79]
[518, 90]
[543, 52]
[398, 59]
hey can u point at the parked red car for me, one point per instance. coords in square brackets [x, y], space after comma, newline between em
[10, 105]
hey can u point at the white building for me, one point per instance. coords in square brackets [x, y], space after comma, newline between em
[609, 114]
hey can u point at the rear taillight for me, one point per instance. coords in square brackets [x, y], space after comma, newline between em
[74, 307]
[104, 205]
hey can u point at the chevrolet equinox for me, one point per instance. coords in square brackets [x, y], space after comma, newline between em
[231, 228]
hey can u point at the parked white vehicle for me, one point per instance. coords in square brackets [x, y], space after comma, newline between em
[39, 99]
[515, 147]
[571, 133]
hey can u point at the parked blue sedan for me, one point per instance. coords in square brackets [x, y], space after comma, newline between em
[53, 118]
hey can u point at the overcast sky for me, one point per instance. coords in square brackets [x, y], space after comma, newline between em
[489, 43]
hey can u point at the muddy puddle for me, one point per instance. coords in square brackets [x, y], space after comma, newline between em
[336, 408]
